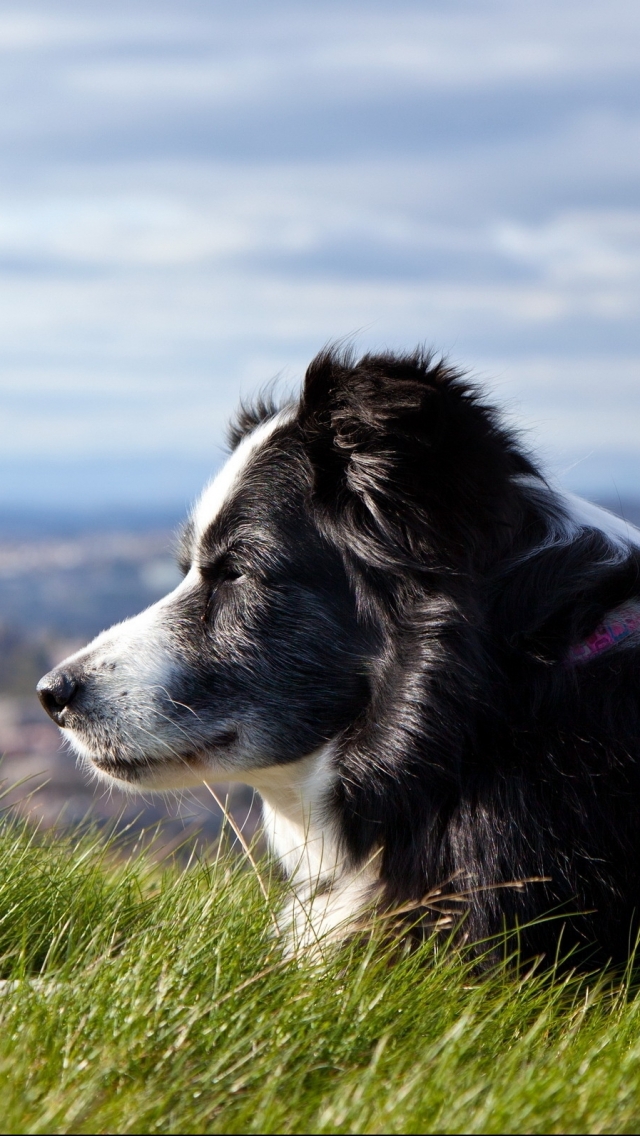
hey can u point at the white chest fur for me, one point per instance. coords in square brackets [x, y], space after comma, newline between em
[327, 894]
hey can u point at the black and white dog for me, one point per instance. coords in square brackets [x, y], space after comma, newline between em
[425, 658]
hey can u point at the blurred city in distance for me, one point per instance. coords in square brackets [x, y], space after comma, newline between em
[196, 195]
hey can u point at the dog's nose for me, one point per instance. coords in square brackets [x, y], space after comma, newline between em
[55, 692]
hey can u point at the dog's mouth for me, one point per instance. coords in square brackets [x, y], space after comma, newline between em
[118, 768]
[166, 770]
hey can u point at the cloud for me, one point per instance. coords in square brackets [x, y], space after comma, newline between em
[578, 249]
[29, 31]
[197, 196]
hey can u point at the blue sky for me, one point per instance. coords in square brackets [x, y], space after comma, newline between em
[195, 196]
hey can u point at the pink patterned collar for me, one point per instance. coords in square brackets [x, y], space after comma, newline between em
[617, 625]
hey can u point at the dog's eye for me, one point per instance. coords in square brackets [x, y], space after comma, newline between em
[230, 575]
[222, 572]
[216, 576]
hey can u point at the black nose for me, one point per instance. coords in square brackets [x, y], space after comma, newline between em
[55, 692]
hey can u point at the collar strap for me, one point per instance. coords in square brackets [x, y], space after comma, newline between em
[617, 625]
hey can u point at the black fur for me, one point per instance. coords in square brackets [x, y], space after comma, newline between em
[480, 758]
[250, 415]
[392, 575]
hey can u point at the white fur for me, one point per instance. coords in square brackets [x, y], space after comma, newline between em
[139, 644]
[327, 895]
[223, 485]
[578, 513]
[586, 513]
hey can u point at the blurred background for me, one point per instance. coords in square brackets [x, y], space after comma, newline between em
[195, 195]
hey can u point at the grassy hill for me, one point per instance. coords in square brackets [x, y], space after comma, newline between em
[145, 999]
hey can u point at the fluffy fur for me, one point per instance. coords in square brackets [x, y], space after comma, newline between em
[380, 592]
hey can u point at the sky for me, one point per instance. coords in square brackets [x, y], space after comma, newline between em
[196, 195]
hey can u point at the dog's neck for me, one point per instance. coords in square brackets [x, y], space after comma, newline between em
[295, 814]
[328, 895]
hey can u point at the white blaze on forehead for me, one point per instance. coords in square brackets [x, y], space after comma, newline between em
[224, 484]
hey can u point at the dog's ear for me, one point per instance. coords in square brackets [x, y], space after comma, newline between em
[406, 449]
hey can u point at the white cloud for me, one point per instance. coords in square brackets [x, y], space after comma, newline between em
[221, 56]
[579, 248]
[334, 69]
[121, 231]
[52, 26]
[495, 213]
[27, 31]
[213, 80]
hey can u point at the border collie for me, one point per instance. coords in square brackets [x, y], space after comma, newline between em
[422, 655]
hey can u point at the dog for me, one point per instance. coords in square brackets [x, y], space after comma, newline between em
[423, 655]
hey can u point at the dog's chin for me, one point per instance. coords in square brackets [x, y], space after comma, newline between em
[151, 777]
[150, 774]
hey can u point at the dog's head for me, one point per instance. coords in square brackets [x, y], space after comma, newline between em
[386, 475]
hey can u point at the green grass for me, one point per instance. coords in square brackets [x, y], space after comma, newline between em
[157, 1000]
